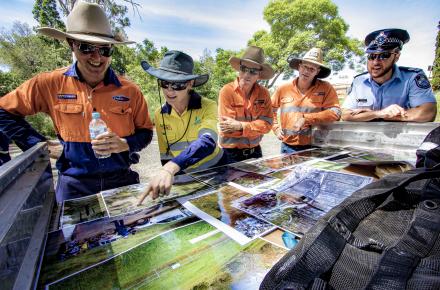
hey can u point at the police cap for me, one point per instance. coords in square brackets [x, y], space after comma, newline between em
[385, 40]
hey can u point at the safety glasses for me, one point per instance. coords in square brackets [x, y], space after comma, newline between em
[250, 70]
[87, 48]
[176, 86]
[380, 56]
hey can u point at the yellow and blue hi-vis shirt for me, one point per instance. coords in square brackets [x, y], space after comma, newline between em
[196, 148]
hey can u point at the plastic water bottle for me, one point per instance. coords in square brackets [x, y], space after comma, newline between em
[97, 126]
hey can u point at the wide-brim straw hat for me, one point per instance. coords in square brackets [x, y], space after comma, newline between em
[254, 55]
[86, 22]
[312, 56]
[175, 66]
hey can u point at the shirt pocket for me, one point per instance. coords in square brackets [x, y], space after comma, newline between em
[121, 120]
[70, 121]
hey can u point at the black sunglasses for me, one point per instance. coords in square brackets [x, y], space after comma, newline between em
[87, 48]
[176, 86]
[250, 70]
[380, 56]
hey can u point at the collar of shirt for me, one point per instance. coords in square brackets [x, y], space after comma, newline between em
[109, 78]
[397, 75]
[237, 89]
[195, 102]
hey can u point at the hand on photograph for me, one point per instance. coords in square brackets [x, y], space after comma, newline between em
[162, 182]
[229, 125]
[108, 143]
[392, 111]
[55, 148]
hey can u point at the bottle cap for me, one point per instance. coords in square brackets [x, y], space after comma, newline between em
[96, 115]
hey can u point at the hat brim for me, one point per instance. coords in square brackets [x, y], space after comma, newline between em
[323, 73]
[266, 73]
[170, 76]
[97, 39]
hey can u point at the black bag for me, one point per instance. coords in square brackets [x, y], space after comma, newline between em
[385, 236]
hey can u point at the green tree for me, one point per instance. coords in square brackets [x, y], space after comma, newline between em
[46, 13]
[298, 25]
[219, 70]
[436, 66]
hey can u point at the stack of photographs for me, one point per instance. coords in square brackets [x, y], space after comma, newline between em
[304, 196]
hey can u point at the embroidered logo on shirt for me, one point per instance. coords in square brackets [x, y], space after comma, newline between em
[66, 96]
[198, 120]
[319, 94]
[422, 81]
[121, 98]
[167, 127]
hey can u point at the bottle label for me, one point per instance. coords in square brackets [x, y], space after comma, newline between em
[97, 130]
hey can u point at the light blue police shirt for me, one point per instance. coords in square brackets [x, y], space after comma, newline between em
[408, 88]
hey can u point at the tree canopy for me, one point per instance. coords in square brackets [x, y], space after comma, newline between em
[298, 25]
[436, 66]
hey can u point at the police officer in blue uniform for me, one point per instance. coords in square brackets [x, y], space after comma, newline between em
[389, 92]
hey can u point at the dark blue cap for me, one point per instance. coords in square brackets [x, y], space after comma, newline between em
[385, 40]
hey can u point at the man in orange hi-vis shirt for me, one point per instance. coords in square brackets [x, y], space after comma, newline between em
[70, 95]
[304, 102]
[245, 110]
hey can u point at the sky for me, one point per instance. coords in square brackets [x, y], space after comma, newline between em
[195, 25]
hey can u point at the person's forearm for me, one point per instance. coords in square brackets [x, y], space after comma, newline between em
[19, 130]
[196, 151]
[139, 140]
[415, 115]
[359, 117]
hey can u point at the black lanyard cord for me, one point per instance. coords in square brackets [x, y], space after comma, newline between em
[165, 128]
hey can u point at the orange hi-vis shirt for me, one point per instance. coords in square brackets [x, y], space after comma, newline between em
[319, 105]
[70, 103]
[255, 115]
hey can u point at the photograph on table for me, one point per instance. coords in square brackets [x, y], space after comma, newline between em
[311, 182]
[125, 199]
[218, 176]
[215, 208]
[83, 209]
[196, 256]
[251, 166]
[327, 165]
[78, 247]
[281, 162]
[251, 180]
[291, 213]
[327, 152]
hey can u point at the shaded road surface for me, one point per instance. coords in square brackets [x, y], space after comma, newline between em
[149, 163]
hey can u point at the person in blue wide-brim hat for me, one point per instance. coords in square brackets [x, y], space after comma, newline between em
[186, 124]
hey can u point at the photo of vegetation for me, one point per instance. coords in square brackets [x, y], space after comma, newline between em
[288, 212]
[251, 180]
[195, 256]
[324, 152]
[329, 165]
[282, 162]
[82, 209]
[218, 204]
[125, 199]
[75, 248]
[251, 167]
